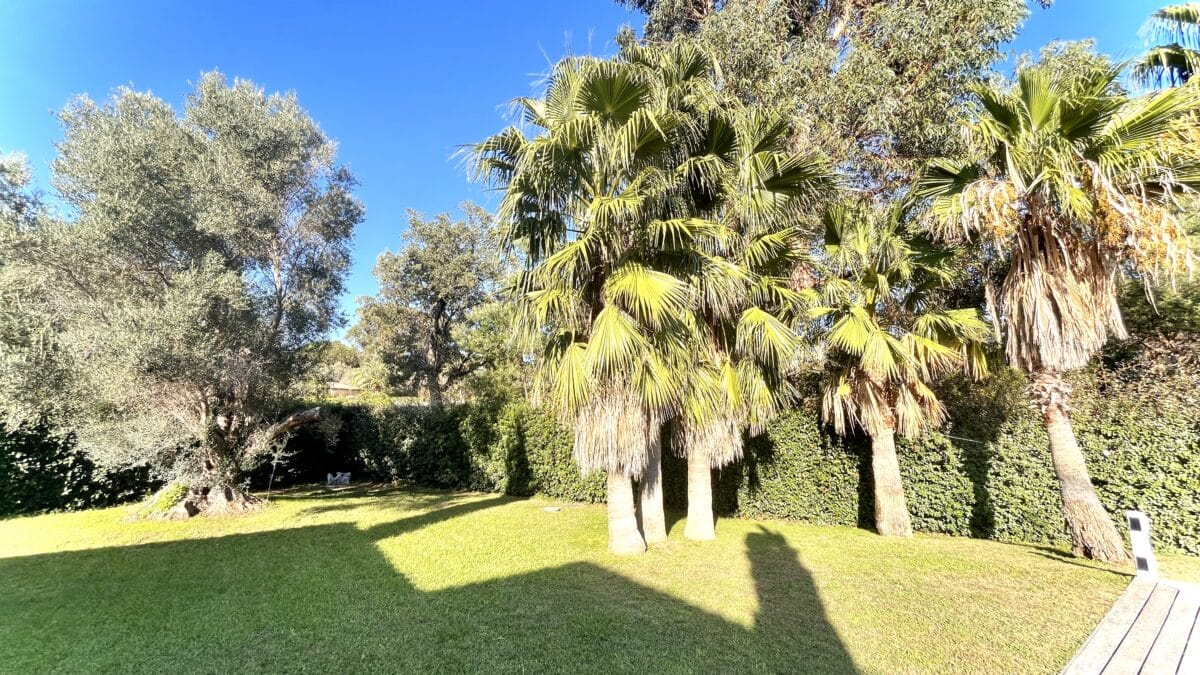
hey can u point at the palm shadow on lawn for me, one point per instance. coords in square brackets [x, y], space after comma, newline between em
[324, 598]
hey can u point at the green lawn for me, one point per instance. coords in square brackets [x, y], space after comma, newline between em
[397, 579]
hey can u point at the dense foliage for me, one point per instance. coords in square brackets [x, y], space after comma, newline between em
[877, 86]
[501, 446]
[666, 206]
[432, 295]
[986, 475]
[43, 472]
[202, 253]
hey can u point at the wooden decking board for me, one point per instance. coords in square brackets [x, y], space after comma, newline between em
[1153, 628]
[1168, 648]
[1190, 662]
[1100, 645]
[1133, 650]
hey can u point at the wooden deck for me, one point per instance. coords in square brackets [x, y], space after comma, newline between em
[1153, 628]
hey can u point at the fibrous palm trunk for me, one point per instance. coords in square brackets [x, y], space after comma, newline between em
[654, 522]
[891, 509]
[623, 535]
[700, 524]
[1093, 534]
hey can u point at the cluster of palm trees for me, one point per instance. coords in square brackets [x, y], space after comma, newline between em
[685, 258]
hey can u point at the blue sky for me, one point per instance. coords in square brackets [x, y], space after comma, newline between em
[400, 85]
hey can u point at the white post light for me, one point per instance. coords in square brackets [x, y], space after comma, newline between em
[1139, 537]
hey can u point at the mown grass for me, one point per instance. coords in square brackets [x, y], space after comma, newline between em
[407, 580]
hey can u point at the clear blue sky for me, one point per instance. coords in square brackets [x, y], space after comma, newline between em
[399, 84]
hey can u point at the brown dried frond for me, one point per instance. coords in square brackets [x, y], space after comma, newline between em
[612, 431]
[1059, 299]
[917, 409]
[852, 398]
[719, 440]
[987, 207]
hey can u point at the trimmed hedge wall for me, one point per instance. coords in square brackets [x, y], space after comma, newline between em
[43, 472]
[988, 474]
[496, 446]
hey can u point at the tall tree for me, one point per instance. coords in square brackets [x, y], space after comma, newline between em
[1174, 62]
[1075, 184]
[207, 251]
[877, 84]
[427, 292]
[888, 336]
[583, 201]
[30, 362]
[737, 250]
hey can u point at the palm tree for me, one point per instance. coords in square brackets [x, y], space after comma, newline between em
[749, 194]
[1078, 185]
[887, 337]
[578, 201]
[1172, 63]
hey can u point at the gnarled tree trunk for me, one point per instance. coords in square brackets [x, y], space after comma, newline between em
[700, 525]
[891, 509]
[654, 521]
[623, 535]
[1093, 534]
[216, 492]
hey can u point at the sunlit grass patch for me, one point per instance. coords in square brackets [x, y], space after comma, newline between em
[396, 579]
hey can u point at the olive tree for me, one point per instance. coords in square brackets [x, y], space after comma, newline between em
[30, 367]
[204, 251]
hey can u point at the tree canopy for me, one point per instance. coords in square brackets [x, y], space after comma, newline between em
[878, 87]
[429, 293]
[204, 252]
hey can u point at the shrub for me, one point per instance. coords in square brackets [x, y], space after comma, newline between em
[538, 445]
[988, 474]
[40, 471]
[161, 502]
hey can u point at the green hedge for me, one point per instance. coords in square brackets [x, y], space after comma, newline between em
[491, 446]
[988, 474]
[40, 471]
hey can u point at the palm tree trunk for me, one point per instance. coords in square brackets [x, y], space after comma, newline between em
[1093, 534]
[700, 510]
[891, 509]
[654, 521]
[623, 535]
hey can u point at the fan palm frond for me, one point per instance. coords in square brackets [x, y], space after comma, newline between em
[885, 339]
[1079, 181]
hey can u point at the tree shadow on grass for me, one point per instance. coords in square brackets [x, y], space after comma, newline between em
[321, 492]
[1069, 558]
[324, 598]
[673, 517]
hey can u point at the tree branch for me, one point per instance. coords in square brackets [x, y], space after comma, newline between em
[292, 421]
